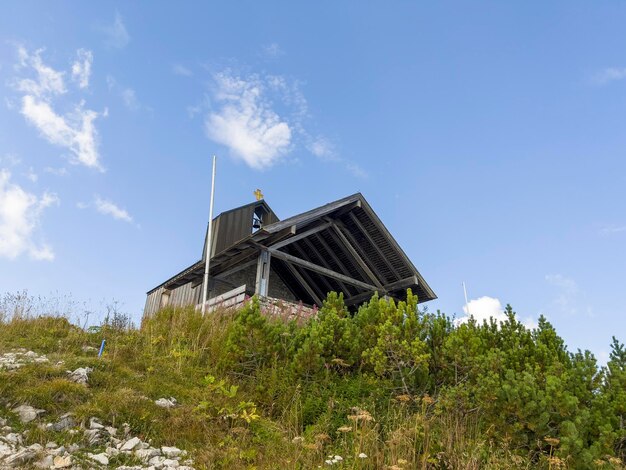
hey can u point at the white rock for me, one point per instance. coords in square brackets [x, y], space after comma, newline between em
[52, 445]
[94, 423]
[27, 413]
[92, 436]
[156, 461]
[64, 422]
[46, 462]
[62, 462]
[5, 450]
[111, 451]
[80, 375]
[73, 448]
[58, 451]
[171, 463]
[146, 454]
[171, 451]
[20, 458]
[35, 447]
[13, 438]
[111, 430]
[100, 458]
[130, 444]
[166, 402]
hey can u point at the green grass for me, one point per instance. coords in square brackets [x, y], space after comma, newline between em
[239, 410]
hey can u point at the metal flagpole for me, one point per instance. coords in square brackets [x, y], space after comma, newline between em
[207, 255]
[466, 303]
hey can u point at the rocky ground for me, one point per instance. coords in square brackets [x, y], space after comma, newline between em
[94, 445]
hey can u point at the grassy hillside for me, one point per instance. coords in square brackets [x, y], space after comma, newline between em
[389, 387]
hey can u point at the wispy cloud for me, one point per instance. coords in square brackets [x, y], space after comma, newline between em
[245, 121]
[20, 214]
[10, 159]
[325, 150]
[61, 171]
[272, 51]
[116, 34]
[570, 298]
[127, 94]
[129, 97]
[81, 68]
[609, 74]
[31, 175]
[48, 82]
[612, 229]
[106, 207]
[261, 119]
[75, 130]
[486, 308]
[179, 69]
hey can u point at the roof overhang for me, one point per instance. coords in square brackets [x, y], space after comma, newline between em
[342, 246]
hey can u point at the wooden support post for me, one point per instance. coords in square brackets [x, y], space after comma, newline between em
[263, 274]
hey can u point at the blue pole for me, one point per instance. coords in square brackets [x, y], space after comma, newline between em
[102, 348]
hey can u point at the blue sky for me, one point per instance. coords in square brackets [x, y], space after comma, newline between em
[488, 137]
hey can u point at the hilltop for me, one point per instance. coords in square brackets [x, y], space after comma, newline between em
[387, 387]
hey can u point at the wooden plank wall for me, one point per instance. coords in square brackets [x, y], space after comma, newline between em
[180, 297]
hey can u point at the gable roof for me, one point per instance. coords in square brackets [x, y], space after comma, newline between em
[341, 246]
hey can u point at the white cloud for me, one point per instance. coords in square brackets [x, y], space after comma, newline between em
[31, 175]
[325, 150]
[484, 308]
[178, 69]
[245, 123]
[20, 214]
[107, 207]
[74, 131]
[10, 159]
[272, 51]
[48, 82]
[261, 119]
[116, 34]
[81, 68]
[612, 229]
[609, 74]
[569, 299]
[322, 148]
[130, 100]
[61, 171]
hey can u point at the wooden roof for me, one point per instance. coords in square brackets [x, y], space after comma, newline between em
[342, 246]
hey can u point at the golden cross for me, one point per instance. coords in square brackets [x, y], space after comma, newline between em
[258, 194]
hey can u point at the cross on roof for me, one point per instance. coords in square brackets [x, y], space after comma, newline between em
[258, 194]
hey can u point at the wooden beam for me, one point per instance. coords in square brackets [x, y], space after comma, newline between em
[349, 208]
[332, 254]
[359, 298]
[357, 257]
[375, 245]
[319, 269]
[300, 236]
[401, 284]
[306, 257]
[235, 269]
[304, 284]
[312, 248]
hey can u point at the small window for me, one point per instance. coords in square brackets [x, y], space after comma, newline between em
[165, 298]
